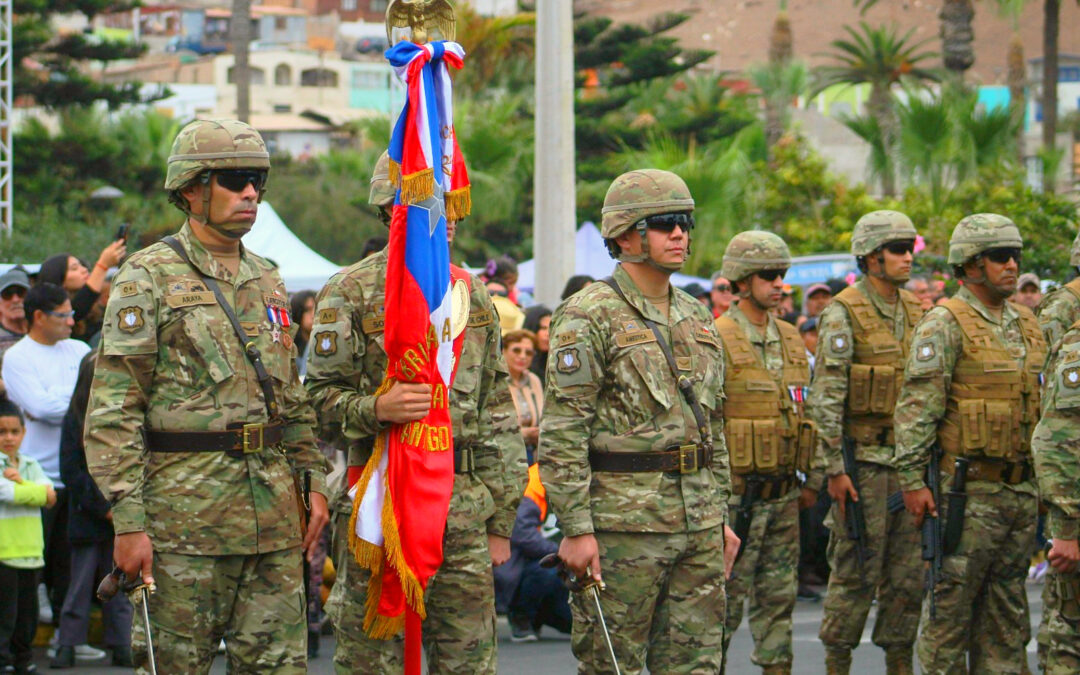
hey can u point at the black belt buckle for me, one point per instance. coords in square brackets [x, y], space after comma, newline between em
[252, 436]
[688, 458]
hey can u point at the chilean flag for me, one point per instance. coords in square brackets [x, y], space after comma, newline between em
[402, 495]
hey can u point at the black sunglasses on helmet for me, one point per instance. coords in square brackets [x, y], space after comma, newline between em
[1003, 255]
[235, 180]
[900, 247]
[666, 222]
[771, 275]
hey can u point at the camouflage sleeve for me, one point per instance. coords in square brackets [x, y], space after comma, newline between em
[574, 377]
[500, 461]
[123, 377]
[1053, 313]
[1056, 444]
[829, 389]
[300, 420]
[721, 461]
[927, 377]
[342, 394]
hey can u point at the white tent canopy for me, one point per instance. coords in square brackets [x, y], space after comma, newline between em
[300, 267]
[591, 257]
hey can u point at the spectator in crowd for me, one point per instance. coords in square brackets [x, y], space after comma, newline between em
[808, 332]
[1028, 290]
[302, 311]
[90, 532]
[24, 489]
[575, 284]
[510, 315]
[538, 320]
[921, 288]
[835, 286]
[519, 348]
[40, 372]
[817, 298]
[82, 285]
[503, 270]
[786, 305]
[937, 290]
[13, 287]
[698, 291]
[721, 296]
[373, 245]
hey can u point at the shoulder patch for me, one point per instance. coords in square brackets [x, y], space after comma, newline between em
[926, 352]
[326, 343]
[566, 338]
[372, 323]
[634, 337]
[130, 319]
[479, 319]
[707, 335]
[927, 355]
[127, 289]
[572, 366]
[328, 315]
[839, 345]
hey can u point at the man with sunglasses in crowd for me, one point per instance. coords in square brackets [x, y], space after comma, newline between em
[198, 430]
[13, 287]
[863, 339]
[971, 394]
[636, 468]
[767, 376]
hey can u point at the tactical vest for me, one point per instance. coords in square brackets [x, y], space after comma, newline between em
[764, 422]
[877, 369]
[1074, 288]
[993, 403]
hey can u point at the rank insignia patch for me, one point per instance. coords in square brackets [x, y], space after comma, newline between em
[130, 319]
[326, 343]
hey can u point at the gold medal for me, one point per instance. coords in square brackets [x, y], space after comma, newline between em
[459, 307]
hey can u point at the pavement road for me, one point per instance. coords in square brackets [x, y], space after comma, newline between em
[551, 655]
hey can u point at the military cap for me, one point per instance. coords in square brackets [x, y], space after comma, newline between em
[205, 145]
[981, 232]
[877, 228]
[754, 251]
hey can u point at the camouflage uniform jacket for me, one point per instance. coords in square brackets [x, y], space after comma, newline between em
[1056, 441]
[346, 365]
[171, 361]
[832, 369]
[609, 389]
[921, 405]
[1057, 312]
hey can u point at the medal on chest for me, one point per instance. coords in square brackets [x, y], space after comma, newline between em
[278, 314]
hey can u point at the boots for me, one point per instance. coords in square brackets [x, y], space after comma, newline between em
[898, 661]
[777, 669]
[837, 660]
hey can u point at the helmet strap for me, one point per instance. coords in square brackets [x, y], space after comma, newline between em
[642, 257]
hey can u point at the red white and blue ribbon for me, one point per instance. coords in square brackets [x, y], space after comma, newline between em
[424, 152]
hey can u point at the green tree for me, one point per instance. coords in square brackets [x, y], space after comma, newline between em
[882, 58]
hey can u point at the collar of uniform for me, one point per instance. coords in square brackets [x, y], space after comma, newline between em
[1008, 314]
[205, 262]
[637, 299]
[752, 332]
[883, 306]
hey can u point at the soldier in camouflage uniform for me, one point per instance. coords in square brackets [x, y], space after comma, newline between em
[346, 365]
[971, 387]
[1060, 309]
[196, 458]
[768, 438]
[864, 338]
[639, 486]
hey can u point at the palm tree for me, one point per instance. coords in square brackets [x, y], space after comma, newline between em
[957, 35]
[1016, 71]
[780, 84]
[781, 45]
[881, 58]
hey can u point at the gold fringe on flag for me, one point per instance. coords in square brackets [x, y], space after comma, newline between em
[395, 172]
[416, 187]
[458, 203]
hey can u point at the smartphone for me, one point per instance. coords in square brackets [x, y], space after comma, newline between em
[122, 232]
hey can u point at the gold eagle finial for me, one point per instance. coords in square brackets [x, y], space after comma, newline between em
[420, 21]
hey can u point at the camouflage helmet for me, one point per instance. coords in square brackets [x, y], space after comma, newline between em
[382, 190]
[754, 251]
[640, 194]
[981, 232]
[1074, 252]
[204, 145]
[877, 228]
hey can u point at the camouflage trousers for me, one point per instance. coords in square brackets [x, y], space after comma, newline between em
[1059, 633]
[767, 575]
[663, 604]
[893, 572]
[254, 602]
[459, 632]
[982, 610]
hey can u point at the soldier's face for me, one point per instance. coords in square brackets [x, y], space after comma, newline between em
[767, 293]
[231, 211]
[897, 268]
[668, 248]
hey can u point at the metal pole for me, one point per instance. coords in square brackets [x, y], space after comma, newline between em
[554, 219]
[7, 167]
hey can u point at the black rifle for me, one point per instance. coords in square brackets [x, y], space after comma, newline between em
[932, 544]
[854, 518]
[895, 502]
[745, 513]
[954, 514]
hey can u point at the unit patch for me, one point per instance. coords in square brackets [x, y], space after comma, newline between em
[1070, 377]
[130, 319]
[569, 361]
[326, 343]
[925, 352]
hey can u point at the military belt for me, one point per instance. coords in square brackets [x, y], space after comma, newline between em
[464, 460]
[1010, 473]
[676, 459]
[772, 487]
[242, 439]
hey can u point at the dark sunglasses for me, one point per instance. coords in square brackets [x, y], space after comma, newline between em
[722, 288]
[771, 275]
[11, 291]
[235, 180]
[666, 222]
[900, 247]
[1003, 255]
